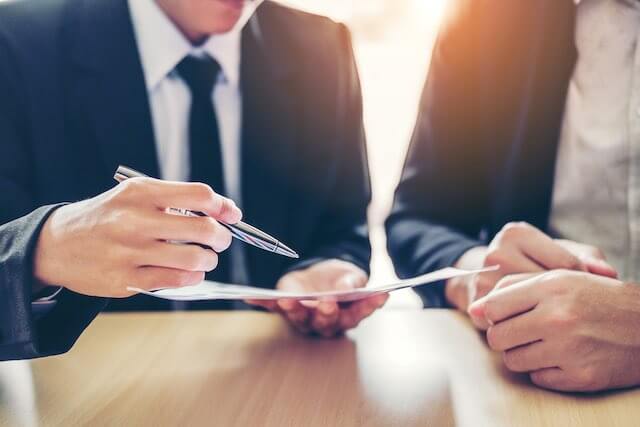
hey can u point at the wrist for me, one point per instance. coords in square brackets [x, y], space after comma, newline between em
[456, 290]
[455, 293]
[45, 271]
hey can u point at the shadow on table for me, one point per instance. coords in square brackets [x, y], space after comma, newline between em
[286, 379]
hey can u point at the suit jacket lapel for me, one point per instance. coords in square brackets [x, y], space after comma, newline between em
[109, 87]
[268, 136]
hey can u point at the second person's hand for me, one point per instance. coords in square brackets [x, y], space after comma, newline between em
[521, 248]
[326, 318]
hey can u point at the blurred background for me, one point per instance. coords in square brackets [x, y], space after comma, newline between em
[392, 42]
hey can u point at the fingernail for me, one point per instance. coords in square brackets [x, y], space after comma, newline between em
[327, 308]
[286, 304]
[309, 304]
[476, 309]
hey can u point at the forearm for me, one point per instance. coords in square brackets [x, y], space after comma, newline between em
[29, 329]
[418, 246]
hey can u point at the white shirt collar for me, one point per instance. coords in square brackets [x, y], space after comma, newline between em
[162, 46]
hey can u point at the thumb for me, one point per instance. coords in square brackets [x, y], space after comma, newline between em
[350, 281]
[477, 313]
[600, 267]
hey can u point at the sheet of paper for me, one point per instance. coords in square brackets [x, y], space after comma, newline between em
[218, 291]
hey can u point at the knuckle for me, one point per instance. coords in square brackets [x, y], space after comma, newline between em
[483, 285]
[493, 338]
[124, 256]
[143, 280]
[564, 319]
[207, 226]
[206, 194]
[222, 239]
[225, 206]
[212, 261]
[122, 224]
[511, 360]
[505, 282]
[189, 278]
[203, 191]
[184, 278]
[496, 257]
[569, 262]
[193, 259]
[490, 310]
[225, 236]
[541, 379]
[556, 281]
[177, 278]
[587, 378]
[133, 187]
[594, 252]
[188, 257]
[598, 253]
[553, 277]
[515, 230]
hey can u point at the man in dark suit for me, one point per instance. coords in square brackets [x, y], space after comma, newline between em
[262, 107]
[525, 156]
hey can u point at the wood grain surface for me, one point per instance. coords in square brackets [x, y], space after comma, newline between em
[399, 368]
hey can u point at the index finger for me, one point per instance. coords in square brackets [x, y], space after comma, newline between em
[188, 195]
[507, 302]
[549, 254]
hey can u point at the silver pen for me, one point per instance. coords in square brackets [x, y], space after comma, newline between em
[242, 231]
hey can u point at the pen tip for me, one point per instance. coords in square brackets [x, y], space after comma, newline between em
[287, 251]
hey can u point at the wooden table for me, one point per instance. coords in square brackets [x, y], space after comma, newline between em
[413, 368]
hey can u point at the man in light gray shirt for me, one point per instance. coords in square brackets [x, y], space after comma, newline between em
[527, 155]
[597, 188]
[596, 199]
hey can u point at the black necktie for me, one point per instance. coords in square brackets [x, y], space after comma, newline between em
[200, 75]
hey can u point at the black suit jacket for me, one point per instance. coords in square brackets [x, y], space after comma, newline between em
[73, 105]
[484, 148]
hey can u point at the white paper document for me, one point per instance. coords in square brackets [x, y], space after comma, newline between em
[218, 291]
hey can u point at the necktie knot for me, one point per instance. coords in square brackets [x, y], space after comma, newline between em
[199, 73]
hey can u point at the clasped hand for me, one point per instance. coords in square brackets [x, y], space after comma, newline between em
[570, 331]
[521, 248]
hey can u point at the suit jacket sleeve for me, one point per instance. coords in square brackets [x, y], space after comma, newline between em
[343, 232]
[27, 331]
[440, 204]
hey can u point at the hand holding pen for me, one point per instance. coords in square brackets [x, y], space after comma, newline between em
[240, 230]
[122, 238]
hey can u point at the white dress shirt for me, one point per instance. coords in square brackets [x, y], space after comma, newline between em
[162, 46]
[597, 187]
